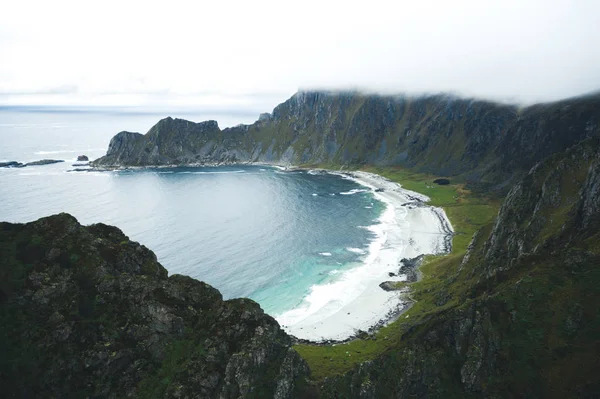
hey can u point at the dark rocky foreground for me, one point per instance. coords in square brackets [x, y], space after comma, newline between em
[85, 312]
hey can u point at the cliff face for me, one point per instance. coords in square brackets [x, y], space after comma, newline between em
[526, 322]
[480, 141]
[84, 312]
[174, 142]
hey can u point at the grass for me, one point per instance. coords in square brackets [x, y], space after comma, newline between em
[468, 212]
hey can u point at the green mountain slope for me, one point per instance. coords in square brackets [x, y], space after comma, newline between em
[522, 319]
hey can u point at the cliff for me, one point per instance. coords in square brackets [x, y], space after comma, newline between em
[519, 315]
[85, 312]
[479, 141]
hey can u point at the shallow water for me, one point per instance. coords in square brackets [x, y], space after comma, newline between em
[249, 231]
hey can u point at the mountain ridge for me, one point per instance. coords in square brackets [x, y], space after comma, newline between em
[477, 141]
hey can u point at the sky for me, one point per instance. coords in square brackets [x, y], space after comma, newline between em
[248, 56]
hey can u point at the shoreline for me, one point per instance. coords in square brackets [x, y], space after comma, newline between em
[407, 228]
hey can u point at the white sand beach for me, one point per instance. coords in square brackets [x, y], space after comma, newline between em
[337, 310]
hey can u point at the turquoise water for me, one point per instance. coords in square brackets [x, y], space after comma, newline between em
[250, 231]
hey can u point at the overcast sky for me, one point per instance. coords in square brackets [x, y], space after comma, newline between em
[251, 55]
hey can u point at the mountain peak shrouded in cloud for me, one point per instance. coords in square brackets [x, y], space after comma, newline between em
[227, 53]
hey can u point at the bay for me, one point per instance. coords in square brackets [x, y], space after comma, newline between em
[250, 231]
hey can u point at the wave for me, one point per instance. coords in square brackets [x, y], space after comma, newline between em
[314, 194]
[357, 250]
[211, 172]
[325, 253]
[354, 191]
[326, 299]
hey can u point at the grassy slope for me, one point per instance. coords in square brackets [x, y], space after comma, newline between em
[467, 212]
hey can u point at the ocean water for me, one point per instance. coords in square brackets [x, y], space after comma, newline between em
[250, 231]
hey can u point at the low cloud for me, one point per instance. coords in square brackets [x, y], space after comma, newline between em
[257, 54]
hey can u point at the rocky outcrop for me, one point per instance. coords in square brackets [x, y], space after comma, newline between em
[175, 142]
[86, 312]
[15, 164]
[82, 158]
[410, 267]
[526, 321]
[11, 164]
[44, 162]
[483, 142]
[557, 196]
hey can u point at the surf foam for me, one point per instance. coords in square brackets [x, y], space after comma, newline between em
[353, 300]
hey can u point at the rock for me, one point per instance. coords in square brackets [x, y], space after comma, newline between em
[392, 285]
[102, 318]
[44, 162]
[11, 164]
[442, 182]
[80, 164]
[410, 267]
[264, 117]
[81, 158]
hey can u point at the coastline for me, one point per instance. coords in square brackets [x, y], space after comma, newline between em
[407, 228]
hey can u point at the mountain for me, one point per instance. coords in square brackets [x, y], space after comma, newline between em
[478, 141]
[85, 312]
[525, 319]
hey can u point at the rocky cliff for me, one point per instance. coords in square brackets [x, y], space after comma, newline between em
[85, 312]
[482, 142]
[520, 316]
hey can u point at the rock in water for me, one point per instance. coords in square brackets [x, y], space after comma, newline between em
[86, 312]
[11, 164]
[82, 158]
[43, 162]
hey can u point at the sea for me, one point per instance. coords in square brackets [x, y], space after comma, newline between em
[250, 231]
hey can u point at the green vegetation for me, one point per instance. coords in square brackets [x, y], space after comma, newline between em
[468, 212]
[179, 355]
[516, 318]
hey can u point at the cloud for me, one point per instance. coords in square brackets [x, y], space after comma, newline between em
[234, 53]
[63, 89]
